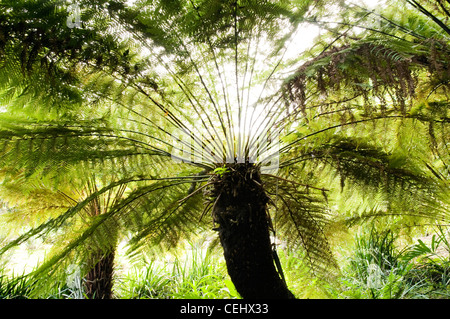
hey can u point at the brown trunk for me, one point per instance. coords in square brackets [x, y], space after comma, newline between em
[241, 212]
[99, 280]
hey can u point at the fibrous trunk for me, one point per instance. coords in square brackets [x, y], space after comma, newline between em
[99, 280]
[240, 209]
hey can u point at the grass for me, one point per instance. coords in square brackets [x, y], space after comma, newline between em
[378, 270]
[15, 287]
[198, 275]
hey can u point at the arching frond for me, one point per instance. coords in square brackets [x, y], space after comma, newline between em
[301, 216]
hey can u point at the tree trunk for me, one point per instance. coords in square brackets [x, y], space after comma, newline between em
[241, 211]
[99, 280]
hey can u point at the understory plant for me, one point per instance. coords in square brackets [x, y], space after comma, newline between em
[16, 286]
[196, 274]
[379, 269]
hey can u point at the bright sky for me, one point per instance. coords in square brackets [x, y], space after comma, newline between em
[255, 117]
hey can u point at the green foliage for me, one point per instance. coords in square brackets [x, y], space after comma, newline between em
[149, 283]
[221, 170]
[364, 91]
[377, 249]
[299, 277]
[16, 287]
[373, 270]
[439, 240]
[196, 275]
[42, 57]
[130, 103]
[364, 119]
[71, 288]
[378, 269]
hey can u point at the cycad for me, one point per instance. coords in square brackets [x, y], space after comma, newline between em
[207, 94]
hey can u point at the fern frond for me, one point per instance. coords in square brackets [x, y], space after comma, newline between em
[301, 217]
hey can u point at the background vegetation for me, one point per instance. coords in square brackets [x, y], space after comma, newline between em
[358, 206]
[373, 267]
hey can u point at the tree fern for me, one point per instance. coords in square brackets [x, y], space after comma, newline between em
[203, 83]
